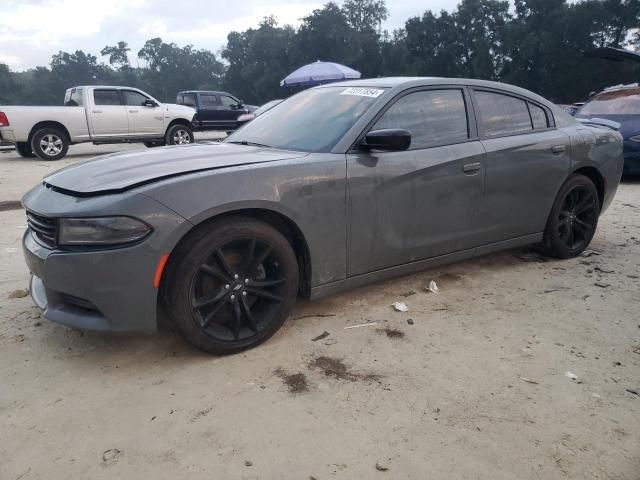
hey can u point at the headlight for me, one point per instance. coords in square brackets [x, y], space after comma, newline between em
[635, 138]
[101, 231]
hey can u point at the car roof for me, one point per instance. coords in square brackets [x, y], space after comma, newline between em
[401, 83]
[105, 86]
[215, 92]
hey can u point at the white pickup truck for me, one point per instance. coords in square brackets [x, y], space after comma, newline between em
[98, 114]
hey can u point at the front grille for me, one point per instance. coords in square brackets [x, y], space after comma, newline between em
[45, 229]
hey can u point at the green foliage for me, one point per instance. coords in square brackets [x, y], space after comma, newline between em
[537, 45]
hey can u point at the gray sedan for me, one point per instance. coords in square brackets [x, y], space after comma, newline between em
[338, 186]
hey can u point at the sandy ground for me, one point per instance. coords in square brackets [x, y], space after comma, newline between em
[474, 386]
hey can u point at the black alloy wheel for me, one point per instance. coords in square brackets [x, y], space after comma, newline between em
[232, 286]
[573, 219]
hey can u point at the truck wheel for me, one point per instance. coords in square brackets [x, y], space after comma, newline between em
[49, 144]
[179, 134]
[24, 150]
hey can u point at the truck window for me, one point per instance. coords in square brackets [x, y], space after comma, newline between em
[208, 101]
[134, 98]
[189, 100]
[73, 98]
[228, 102]
[106, 97]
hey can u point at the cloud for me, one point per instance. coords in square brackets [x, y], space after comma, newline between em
[31, 31]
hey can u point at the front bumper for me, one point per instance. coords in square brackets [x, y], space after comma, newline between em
[103, 290]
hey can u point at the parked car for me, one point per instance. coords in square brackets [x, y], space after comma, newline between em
[98, 114]
[572, 108]
[215, 110]
[340, 185]
[620, 104]
[247, 117]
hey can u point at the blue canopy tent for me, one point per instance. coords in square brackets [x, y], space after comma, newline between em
[318, 73]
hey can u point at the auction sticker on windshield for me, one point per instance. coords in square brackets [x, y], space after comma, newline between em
[363, 92]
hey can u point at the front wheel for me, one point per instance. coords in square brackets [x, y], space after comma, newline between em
[179, 134]
[573, 218]
[24, 150]
[49, 144]
[230, 285]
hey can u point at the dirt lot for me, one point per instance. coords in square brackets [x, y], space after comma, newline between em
[469, 383]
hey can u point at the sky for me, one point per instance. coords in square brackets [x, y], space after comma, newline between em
[31, 31]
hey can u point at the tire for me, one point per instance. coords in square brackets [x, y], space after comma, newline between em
[154, 144]
[49, 144]
[573, 219]
[230, 284]
[179, 134]
[24, 150]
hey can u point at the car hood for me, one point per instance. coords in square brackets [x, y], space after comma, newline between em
[122, 171]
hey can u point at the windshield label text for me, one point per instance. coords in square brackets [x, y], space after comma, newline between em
[363, 92]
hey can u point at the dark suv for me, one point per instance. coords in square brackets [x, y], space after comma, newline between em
[215, 110]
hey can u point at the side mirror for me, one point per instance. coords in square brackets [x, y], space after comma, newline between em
[149, 103]
[393, 139]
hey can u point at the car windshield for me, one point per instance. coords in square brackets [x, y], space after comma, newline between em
[311, 121]
[616, 102]
[266, 106]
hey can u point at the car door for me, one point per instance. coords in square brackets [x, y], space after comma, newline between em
[108, 117]
[406, 206]
[209, 111]
[144, 119]
[230, 110]
[528, 159]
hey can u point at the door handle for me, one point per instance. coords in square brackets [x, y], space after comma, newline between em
[471, 167]
[133, 111]
[96, 111]
[557, 148]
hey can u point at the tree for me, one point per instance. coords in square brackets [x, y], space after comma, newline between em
[365, 15]
[118, 55]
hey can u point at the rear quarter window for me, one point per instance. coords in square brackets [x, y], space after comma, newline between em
[538, 117]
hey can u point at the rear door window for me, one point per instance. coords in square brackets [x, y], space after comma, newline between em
[106, 97]
[433, 117]
[189, 100]
[502, 114]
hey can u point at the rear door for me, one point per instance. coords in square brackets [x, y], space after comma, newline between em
[107, 116]
[144, 121]
[528, 159]
[420, 203]
[209, 110]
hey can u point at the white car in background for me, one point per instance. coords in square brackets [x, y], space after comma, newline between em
[97, 114]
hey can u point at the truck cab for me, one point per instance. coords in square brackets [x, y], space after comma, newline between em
[215, 110]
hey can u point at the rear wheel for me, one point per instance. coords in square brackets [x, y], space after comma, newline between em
[24, 150]
[230, 285]
[573, 218]
[49, 144]
[179, 134]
